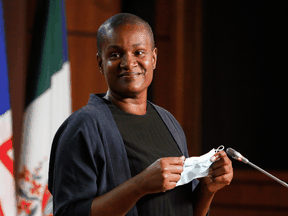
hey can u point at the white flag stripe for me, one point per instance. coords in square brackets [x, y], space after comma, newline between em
[48, 111]
[7, 193]
[60, 97]
[42, 119]
[5, 126]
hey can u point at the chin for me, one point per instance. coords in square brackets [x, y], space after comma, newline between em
[132, 92]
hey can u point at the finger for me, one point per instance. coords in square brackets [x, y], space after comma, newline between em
[174, 178]
[221, 163]
[218, 155]
[170, 183]
[175, 169]
[222, 170]
[169, 186]
[174, 160]
[222, 160]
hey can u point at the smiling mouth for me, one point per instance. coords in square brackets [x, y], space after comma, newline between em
[130, 74]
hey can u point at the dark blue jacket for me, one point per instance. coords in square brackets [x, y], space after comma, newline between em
[88, 157]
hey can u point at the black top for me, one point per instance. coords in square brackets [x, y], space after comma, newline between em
[147, 139]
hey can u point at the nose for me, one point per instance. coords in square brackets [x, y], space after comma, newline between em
[128, 62]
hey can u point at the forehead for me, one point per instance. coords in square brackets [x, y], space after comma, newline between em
[126, 35]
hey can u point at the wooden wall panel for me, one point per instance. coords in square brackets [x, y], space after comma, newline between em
[88, 15]
[177, 80]
[165, 75]
[83, 20]
[86, 77]
[252, 193]
[259, 211]
[192, 81]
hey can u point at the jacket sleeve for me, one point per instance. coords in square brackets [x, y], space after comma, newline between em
[73, 172]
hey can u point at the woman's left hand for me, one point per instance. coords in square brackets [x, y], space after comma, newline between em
[221, 173]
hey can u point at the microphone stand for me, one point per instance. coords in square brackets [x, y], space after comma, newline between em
[268, 174]
[237, 156]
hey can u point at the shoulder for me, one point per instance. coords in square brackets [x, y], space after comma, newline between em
[95, 110]
[81, 132]
[166, 116]
[87, 121]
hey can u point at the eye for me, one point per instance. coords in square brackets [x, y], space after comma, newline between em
[140, 53]
[114, 55]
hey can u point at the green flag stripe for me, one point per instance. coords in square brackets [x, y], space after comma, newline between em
[46, 57]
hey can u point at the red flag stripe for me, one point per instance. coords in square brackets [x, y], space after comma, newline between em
[1, 211]
[6, 160]
[46, 197]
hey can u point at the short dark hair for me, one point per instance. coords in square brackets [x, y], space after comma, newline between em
[119, 20]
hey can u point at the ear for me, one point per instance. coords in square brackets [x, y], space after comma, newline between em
[100, 65]
[154, 57]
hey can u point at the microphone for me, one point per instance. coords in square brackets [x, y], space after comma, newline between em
[237, 156]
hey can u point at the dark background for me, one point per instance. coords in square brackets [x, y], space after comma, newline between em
[244, 80]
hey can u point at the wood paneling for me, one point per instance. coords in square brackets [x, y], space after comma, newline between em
[192, 104]
[85, 77]
[165, 75]
[83, 20]
[252, 193]
[177, 80]
[88, 15]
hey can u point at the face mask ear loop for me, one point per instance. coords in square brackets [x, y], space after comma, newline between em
[220, 148]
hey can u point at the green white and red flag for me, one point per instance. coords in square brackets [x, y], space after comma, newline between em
[47, 105]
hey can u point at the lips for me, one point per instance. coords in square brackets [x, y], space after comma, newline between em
[130, 74]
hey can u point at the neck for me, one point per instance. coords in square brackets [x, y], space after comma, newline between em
[134, 105]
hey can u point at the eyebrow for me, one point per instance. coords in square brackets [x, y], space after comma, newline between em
[137, 44]
[114, 47]
[118, 47]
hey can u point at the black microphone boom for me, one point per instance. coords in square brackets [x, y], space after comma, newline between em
[237, 156]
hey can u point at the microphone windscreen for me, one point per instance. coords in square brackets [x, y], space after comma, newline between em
[231, 152]
[236, 155]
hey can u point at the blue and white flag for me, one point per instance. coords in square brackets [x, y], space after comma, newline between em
[7, 188]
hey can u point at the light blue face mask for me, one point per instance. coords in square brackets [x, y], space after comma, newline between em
[197, 167]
